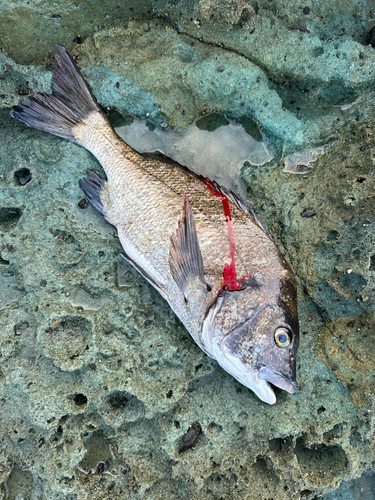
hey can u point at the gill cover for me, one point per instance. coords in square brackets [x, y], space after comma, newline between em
[246, 348]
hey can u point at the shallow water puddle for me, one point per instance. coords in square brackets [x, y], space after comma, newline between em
[303, 161]
[213, 146]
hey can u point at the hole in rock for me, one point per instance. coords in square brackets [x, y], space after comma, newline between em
[80, 399]
[22, 176]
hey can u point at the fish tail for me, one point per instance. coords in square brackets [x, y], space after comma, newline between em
[70, 103]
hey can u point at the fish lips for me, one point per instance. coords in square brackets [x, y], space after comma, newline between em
[248, 377]
[277, 379]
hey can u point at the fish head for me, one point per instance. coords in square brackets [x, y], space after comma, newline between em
[254, 336]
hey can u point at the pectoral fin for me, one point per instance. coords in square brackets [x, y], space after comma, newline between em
[185, 258]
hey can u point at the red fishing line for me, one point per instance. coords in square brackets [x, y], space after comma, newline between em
[229, 271]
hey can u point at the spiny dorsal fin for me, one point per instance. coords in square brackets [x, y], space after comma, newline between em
[185, 258]
[239, 202]
[232, 197]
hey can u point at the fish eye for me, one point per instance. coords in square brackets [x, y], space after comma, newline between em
[283, 336]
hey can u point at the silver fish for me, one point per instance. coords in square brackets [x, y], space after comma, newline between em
[196, 242]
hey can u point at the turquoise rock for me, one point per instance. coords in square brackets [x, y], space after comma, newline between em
[102, 390]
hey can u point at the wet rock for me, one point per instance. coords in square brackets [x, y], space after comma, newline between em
[9, 217]
[371, 37]
[66, 340]
[22, 176]
[21, 327]
[190, 438]
[308, 212]
[346, 346]
[83, 203]
[226, 14]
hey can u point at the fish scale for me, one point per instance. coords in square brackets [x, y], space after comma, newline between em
[164, 184]
[197, 243]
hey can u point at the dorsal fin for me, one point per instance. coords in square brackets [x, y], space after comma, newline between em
[232, 197]
[236, 200]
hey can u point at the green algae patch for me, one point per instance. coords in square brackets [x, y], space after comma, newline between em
[38, 26]
[346, 346]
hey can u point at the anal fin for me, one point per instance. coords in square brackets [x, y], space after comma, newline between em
[92, 186]
[143, 273]
[185, 258]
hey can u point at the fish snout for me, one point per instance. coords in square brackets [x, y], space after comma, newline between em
[277, 379]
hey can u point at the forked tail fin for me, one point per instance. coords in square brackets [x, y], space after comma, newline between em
[69, 104]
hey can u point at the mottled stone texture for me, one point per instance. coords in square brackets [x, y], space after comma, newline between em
[102, 392]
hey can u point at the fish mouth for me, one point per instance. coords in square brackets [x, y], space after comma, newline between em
[264, 392]
[277, 379]
[249, 379]
[256, 378]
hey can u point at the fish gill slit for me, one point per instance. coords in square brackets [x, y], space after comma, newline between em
[230, 281]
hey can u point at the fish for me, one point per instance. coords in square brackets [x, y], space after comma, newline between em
[196, 242]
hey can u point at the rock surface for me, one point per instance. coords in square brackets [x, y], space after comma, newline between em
[102, 392]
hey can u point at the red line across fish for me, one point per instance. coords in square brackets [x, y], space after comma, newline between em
[229, 272]
[196, 242]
